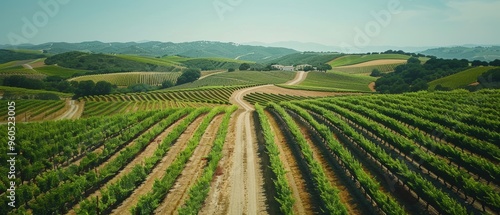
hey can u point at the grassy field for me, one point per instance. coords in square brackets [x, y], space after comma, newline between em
[131, 78]
[355, 59]
[336, 81]
[241, 78]
[460, 79]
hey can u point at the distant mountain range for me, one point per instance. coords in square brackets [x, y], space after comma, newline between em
[254, 51]
[316, 47]
[470, 53]
[158, 49]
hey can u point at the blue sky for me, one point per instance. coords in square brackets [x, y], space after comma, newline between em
[329, 22]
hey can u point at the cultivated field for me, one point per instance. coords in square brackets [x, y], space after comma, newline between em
[261, 149]
[460, 79]
[131, 78]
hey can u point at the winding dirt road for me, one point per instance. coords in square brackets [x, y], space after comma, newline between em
[246, 194]
[70, 114]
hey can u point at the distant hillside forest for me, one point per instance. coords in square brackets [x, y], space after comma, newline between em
[101, 63]
[8, 56]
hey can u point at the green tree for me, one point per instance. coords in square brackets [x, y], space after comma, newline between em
[495, 63]
[479, 63]
[324, 67]
[231, 70]
[376, 73]
[84, 88]
[167, 84]
[188, 76]
[244, 66]
[413, 60]
[102, 88]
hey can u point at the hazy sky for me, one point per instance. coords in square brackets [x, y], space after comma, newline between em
[329, 22]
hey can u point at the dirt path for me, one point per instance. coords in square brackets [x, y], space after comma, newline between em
[299, 78]
[194, 168]
[69, 114]
[372, 87]
[246, 194]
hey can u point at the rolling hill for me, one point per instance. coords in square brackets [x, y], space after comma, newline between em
[157, 49]
[470, 53]
[312, 58]
[356, 59]
[10, 55]
[461, 79]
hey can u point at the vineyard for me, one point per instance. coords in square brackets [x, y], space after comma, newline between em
[366, 70]
[120, 107]
[217, 95]
[34, 110]
[334, 81]
[357, 59]
[241, 78]
[388, 154]
[131, 78]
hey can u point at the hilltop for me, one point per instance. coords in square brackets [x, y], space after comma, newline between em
[159, 49]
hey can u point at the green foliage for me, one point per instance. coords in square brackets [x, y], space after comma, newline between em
[23, 82]
[9, 55]
[492, 76]
[101, 63]
[167, 84]
[410, 77]
[460, 79]
[376, 73]
[89, 88]
[496, 62]
[244, 67]
[189, 76]
[413, 60]
[324, 67]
